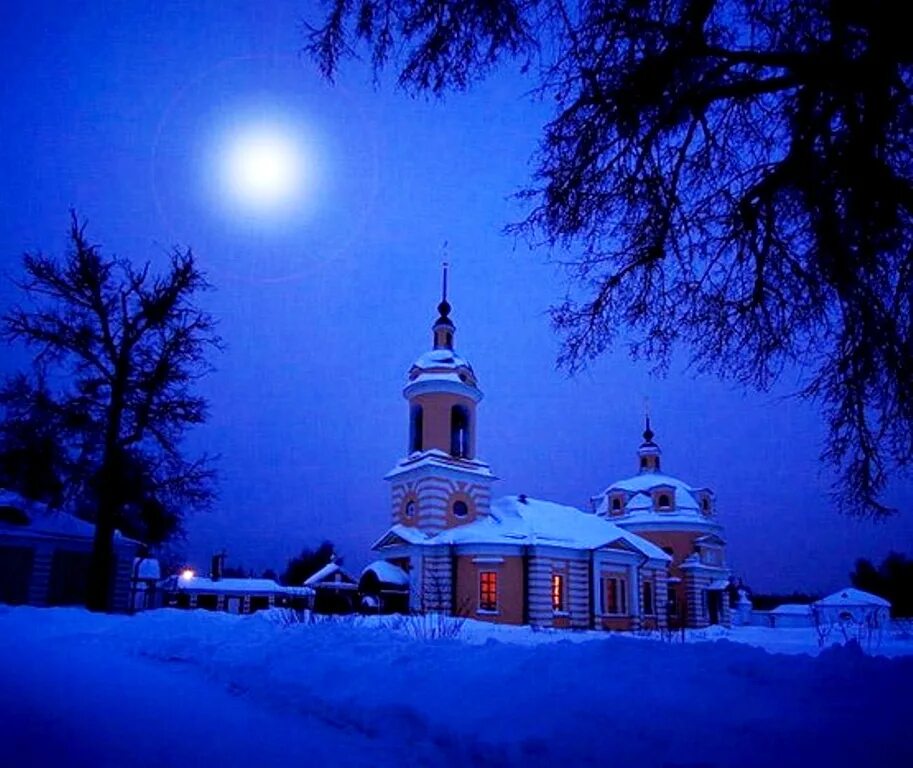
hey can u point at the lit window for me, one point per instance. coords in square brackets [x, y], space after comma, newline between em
[460, 509]
[649, 608]
[488, 591]
[557, 592]
[614, 596]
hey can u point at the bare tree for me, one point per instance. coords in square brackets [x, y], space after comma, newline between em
[735, 176]
[130, 344]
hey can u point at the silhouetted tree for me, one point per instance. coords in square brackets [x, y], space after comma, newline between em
[735, 176]
[269, 573]
[307, 564]
[32, 460]
[130, 344]
[892, 580]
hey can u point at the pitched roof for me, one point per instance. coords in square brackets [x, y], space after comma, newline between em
[387, 573]
[326, 572]
[852, 597]
[35, 519]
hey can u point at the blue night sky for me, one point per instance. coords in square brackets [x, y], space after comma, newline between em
[120, 111]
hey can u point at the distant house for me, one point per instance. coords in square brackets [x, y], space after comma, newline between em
[230, 595]
[853, 606]
[334, 589]
[215, 593]
[45, 556]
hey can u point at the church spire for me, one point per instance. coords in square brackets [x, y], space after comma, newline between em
[443, 327]
[648, 454]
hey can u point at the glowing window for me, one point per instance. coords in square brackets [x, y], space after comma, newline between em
[557, 592]
[460, 509]
[488, 591]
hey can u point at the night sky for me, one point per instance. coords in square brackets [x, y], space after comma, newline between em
[122, 112]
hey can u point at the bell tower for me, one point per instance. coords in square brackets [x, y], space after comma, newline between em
[441, 483]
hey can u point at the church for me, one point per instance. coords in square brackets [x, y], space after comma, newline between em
[649, 554]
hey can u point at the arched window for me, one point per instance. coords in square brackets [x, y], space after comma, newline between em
[459, 432]
[664, 501]
[410, 508]
[616, 504]
[460, 509]
[415, 428]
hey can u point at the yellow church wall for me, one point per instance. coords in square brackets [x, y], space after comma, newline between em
[510, 588]
[436, 419]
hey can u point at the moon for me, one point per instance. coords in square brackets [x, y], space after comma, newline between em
[264, 168]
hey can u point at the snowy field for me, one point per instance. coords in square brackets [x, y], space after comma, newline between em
[170, 688]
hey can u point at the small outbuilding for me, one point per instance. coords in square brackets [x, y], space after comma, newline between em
[45, 556]
[384, 588]
[790, 615]
[230, 595]
[334, 589]
[853, 606]
[147, 573]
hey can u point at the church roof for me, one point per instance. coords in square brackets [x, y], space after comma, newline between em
[445, 359]
[639, 504]
[524, 521]
[438, 459]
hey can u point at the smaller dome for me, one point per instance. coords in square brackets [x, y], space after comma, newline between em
[441, 359]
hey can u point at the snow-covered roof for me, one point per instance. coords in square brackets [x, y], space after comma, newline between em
[852, 597]
[146, 568]
[441, 359]
[791, 609]
[439, 459]
[33, 519]
[387, 573]
[326, 572]
[535, 522]
[639, 506]
[230, 586]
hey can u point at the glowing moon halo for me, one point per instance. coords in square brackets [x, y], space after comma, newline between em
[263, 168]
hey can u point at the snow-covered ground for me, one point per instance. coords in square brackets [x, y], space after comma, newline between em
[171, 688]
